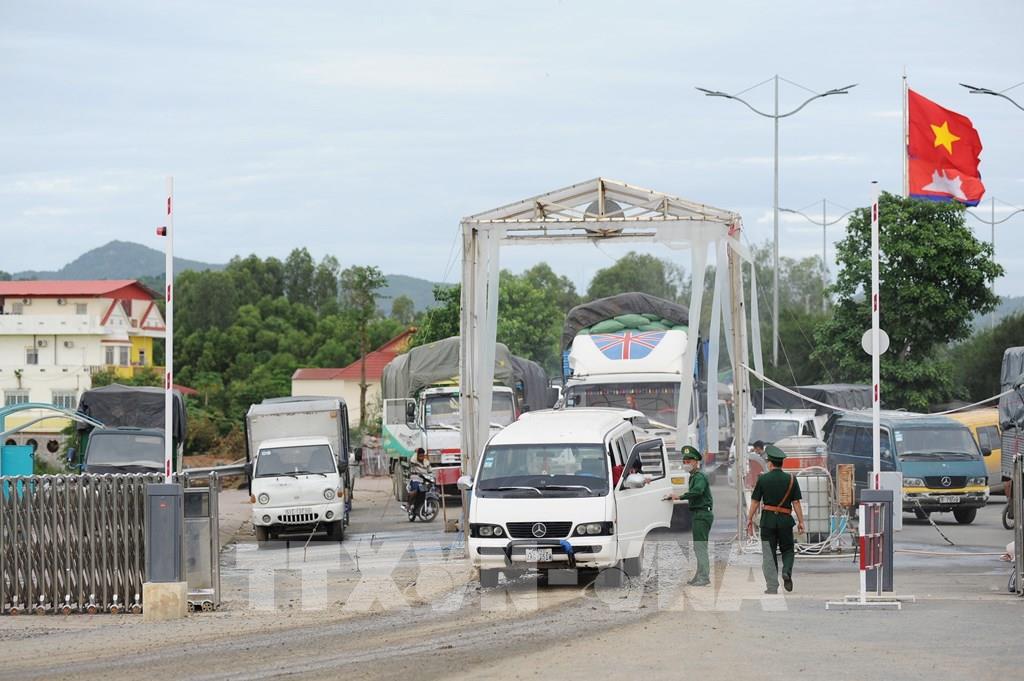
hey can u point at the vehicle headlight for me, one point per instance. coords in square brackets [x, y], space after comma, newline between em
[266, 518]
[482, 530]
[329, 494]
[977, 481]
[592, 529]
[913, 482]
[263, 498]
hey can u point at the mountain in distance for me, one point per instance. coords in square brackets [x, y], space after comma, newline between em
[128, 260]
[1008, 305]
[118, 260]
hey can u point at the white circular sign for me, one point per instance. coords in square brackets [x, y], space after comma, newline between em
[883, 341]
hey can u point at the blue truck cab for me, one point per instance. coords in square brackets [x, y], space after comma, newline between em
[943, 469]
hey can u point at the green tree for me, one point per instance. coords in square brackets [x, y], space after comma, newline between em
[5, 276]
[299, 272]
[934, 277]
[638, 272]
[325, 285]
[557, 287]
[359, 286]
[977, 362]
[403, 309]
[441, 320]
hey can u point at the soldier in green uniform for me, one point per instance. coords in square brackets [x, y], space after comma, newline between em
[777, 493]
[699, 495]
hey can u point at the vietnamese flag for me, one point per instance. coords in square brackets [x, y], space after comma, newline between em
[943, 151]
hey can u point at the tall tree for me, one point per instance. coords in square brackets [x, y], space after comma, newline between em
[359, 286]
[325, 285]
[557, 287]
[638, 272]
[299, 271]
[403, 309]
[935, 277]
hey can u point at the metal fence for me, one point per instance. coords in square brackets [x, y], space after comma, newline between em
[71, 543]
[374, 462]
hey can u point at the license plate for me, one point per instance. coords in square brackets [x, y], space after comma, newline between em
[949, 500]
[297, 511]
[538, 555]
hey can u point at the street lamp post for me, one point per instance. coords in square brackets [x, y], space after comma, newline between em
[992, 222]
[825, 223]
[975, 90]
[776, 116]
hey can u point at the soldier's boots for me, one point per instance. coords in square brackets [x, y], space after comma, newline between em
[787, 581]
[698, 580]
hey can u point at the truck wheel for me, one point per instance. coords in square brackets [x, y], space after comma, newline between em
[965, 516]
[262, 533]
[489, 578]
[336, 532]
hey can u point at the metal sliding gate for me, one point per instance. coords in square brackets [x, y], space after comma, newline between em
[72, 543]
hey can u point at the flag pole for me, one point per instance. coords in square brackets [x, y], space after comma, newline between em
[906, 139]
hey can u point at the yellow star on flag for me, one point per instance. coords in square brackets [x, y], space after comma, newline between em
[943, 137]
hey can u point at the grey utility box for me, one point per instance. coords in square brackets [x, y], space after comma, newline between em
[886, 496]
[165, 520]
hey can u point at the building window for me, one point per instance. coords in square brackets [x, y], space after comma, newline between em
[123, 356]
[65, 399]
[12, 397]
[142, 358]
[109, 355]
[31, 356]
[17, 308]
[81, 308]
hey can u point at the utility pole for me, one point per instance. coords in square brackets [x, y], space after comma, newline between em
[992, 222]
[776, 116]
[825, 223]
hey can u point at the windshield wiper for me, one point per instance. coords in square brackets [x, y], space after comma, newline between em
[569, 487]
[503, 489]
[310, 473]
[276, 475]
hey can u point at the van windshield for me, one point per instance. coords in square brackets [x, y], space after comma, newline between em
[771, 431]
[301, 460]
[526, 471]
[936, 444]
[111, 448]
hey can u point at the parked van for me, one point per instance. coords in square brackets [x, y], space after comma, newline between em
[984, 425]
[567, 489]
[942, 467]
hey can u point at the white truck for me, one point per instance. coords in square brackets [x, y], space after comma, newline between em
[614, 360]
[421, 407]
[298, 466]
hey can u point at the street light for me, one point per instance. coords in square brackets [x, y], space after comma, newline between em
[992, 223]
[775, 116]
[824, 224]
[974, 90]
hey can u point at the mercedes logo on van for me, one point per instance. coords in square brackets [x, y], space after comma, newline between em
[539, 530]
[946, 482]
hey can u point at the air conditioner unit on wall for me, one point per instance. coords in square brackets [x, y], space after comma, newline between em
[41, 343]
[26, 301]
[69, 344]
[62, 301]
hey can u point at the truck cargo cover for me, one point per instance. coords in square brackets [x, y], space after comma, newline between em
[126, 405]
[842, 395]
[587, 314]
[534, 382]
[436, 362]
[1011, 409]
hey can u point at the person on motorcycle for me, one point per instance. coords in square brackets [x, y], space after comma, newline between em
[419, 470]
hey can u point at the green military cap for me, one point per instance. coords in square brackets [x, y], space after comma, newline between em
[773, 453]
[691, 453]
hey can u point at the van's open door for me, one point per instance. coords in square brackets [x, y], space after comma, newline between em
[642, 509]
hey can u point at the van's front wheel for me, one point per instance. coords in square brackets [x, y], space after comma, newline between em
[965, 516]
[336, 532]
[489, 578]
[262, 533]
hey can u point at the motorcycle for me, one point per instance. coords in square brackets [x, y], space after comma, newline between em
[431, 502]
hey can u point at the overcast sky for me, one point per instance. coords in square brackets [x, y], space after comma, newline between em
[366, 130]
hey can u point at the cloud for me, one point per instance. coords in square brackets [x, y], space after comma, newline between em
[889, 113]
[798, 158]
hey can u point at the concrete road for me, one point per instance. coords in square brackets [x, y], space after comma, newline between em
[394, 601]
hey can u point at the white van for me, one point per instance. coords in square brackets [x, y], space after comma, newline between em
[551, 493]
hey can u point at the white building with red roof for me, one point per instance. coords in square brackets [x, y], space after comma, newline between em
[54, 335]
[344, 382]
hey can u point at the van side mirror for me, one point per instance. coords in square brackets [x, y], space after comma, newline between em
[634, 481]
[465, 483]
[71, 455]
[410, 413]
[358, 453]
[551, 397]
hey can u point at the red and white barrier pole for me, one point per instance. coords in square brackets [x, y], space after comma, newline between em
[876, 466]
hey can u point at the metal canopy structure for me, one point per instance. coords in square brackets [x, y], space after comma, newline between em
[603, 210]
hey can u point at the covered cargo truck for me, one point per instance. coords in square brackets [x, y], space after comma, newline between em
[421, 406]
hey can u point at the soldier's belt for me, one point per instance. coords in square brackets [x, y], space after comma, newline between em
[778, 509]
